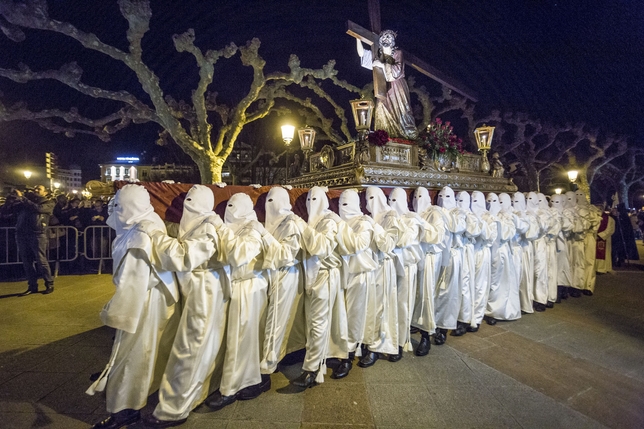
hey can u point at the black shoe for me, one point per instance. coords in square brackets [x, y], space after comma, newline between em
[29, 292]
[563, 292]
[306, 380]
[352, 356]
[253, 392]
[575, 293]
[49, 289]
[471, 328]
[369, 359]
[490, 321]
[539, 307]
[150, 421]
[396, 358]
[342, 370]
[413, 330]
[119, 420]
[587, 293]
[459, 331]
[95, 376]
[423, 346]
[217, 401]
[440, 336]
[550, 304]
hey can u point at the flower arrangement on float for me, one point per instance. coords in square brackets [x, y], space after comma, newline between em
[440, 141]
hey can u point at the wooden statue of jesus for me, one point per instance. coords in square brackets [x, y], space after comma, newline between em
[393, 108]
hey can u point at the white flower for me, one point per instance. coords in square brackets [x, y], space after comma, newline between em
[287, 187]
[256, 185]
[167, 181]
[220, 184]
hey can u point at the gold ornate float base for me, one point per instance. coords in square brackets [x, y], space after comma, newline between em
[398, 165]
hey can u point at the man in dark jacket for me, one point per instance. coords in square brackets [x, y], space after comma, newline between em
[34, 209]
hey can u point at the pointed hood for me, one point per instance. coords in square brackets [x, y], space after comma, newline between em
[571, 200]
[581, 198]
[421, 200]
[532, 203]
[317, 204]
[506, 203]
[349, 204]
[398, 201]
[493, 203]
[558, 202]
[463, 201]
[478, 203]
[376, 203]
[130, 205]
[446, 198]
[239, 210]
[197, 206]
[277, 207]
[518, 202]
[543, 202]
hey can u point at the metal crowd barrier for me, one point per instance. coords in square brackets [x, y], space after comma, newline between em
[97, 244]
[63, 245]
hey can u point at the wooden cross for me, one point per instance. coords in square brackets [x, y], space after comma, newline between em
[371, 39]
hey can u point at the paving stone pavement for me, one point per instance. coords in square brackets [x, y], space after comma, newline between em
[578, 365]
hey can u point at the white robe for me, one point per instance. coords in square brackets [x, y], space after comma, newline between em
[554, 228]
[483, 265]
[385, 316]
[324, 304]
[590, 244]
[423, 316]
[354, 243]
[503, 300]
[247, 252]
[448, 293]
[540, 246]
[195, 364]
[531, 231]
[285, 322]
[145, 314]
[473, 229]
[564, 245]
[409, 254]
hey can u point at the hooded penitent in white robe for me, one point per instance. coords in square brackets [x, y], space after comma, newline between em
[576, 244]
[483, 246]
[423, 317]
[593, 217]
[540, 255]
[359, 271]
[604, 244]
[566, 220]
[472, 230]
[248, 249]
[285, 322]
[143, 310]
[447, 297]
[324, 305]
[197, 352]
[553, 227]
[529, 230]
[385, 239]
[503, 301]
[408, 254]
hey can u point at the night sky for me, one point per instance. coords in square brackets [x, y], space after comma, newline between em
[554, 60]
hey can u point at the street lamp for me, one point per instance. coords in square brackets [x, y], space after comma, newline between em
[57, 185]
[558, 191]
[288, 131]
[27, 174]
[307, 140]
[572, 176]
[483, 137]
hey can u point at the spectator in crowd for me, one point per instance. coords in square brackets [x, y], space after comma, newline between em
[72, 214]
[635, 224]
[34, 210]
[624, 247]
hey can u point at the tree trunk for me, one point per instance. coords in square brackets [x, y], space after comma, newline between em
[210, 169]
[623, 193]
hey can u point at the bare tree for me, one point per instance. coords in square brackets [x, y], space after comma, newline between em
[207, 138]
